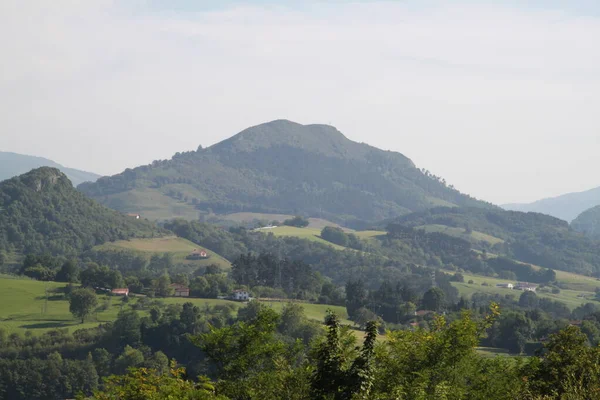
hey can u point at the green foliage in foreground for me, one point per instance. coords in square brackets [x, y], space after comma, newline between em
[253, 362]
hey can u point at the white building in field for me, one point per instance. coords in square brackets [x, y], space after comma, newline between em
[525, 286]
[505, 285]
[240, 295]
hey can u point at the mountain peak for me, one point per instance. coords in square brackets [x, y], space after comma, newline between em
[43, 178]
[316, 138]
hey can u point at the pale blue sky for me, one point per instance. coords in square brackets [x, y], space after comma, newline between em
[499, 97]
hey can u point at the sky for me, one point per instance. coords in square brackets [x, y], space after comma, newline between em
[500, 98]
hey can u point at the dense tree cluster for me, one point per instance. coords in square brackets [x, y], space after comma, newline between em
[529, 237]
[41, 212]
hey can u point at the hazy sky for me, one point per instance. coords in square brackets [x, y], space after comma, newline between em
[502, 100]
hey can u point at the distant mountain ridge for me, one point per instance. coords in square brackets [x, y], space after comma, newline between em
[41, 212]
[566, 207]
[280, 167]
[13, 164]
[588, 222]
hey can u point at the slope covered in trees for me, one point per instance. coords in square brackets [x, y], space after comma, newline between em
[588, 222]
[286, 168]
[41, 212]
[13, 164]
[529, 237]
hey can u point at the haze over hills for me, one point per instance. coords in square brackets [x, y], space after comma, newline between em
[13, 164]
[528, 237]
[41, 212]
[567, 206]
[588, 222]
[280, 167]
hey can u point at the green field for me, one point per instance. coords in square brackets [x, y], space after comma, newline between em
[314, 223]
[23, 307]
[179, 247]
[303, 233]
[474, 236]
[315, 234]
[569, 297]
[151, 204]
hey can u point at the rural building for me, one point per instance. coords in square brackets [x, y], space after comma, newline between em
[240, 295]
[180, 290]
[505, 285]
[136, 216]
[120, 292]
[197, 254]
[530, 287]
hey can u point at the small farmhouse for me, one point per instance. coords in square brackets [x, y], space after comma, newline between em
[136, 216]
[180, 290]
[505, 285]
[197, 254]
[120, 292]
[240, 295]
[526, 286]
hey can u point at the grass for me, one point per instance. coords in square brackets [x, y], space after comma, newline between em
[23, 307]
[314, 223]
[474, 236]
[151, 204]
[303, 233]
[369, 234]
[566, 296]
[179, 247]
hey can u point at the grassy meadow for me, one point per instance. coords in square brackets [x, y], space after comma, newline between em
[23, 307]
[473, 236]
[572, 298]
[179, 247]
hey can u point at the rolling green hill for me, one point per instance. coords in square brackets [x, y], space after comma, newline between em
[180, 248]
[41, 212]
[23, 307]
[528, 237]
[13, 164]
[588, 222]
[280, 167]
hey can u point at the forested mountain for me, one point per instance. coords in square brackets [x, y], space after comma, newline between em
[13, 164]
[41, 212]
[588, 222]
[281, 167]
[567, 206]
[529, 237]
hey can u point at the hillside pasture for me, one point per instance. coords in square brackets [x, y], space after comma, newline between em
[180, 248]
[572, 298]
[151, 204]
[23, 307]
[241, 217]
[473, 236]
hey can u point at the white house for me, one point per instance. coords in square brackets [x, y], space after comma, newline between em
[526, 286]
[505, 285]
[240, 295]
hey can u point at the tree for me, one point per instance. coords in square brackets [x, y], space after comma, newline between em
[298, 221]
[356, 296]
[433, 299]
[335, 235]
[142, 383]
[528, 299]
[130, 358]
[69, 272]
[82, 302]
[163, 286]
